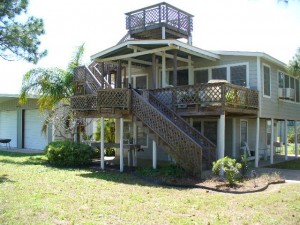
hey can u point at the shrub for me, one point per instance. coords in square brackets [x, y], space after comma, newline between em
[109, 152]
[66, 153]
[230, 168]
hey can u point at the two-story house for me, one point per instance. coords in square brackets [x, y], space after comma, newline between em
[183, 102]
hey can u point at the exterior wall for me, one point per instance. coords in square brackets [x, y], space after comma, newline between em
[273, 107]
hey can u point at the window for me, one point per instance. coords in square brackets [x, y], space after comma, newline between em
[137, 81]
[238, 75]
[244, 131]
[280, 80]
[201, 76]
[142, 138]
[268, 129]
[286, 81]
[182, 77]
[219, 73]
[267, 81]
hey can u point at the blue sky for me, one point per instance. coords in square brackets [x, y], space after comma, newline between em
[233, 25]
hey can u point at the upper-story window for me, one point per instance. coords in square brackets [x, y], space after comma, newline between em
[201, 76]
[267, 80]
[182, 77]
[238, 75]
[235, 74]
[290, 83]
[219, 73]
[137, 81]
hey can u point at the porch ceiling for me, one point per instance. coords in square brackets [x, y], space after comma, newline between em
[143, 49]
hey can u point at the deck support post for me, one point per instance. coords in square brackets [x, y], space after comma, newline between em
[135, 142]
[272, 142]
[221, 139]
[296, 141]
[102, 144]
[163, 33]
[129, 74]
[163, 70]
[175, 69]
[154, 155]
[121, 145]
[190, 71]
[154, 74]
[234, 155]
[257, 142]
[285, 140]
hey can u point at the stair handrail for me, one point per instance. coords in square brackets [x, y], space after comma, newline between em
[106, 84]
[161, 125]
[93, 76]
[185, 126]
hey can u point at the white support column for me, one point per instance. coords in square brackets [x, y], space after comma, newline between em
[257, 143]
[135, 142]
[129, 73]
[272, 142]
[221, 136]
[163, 70]
[285, 140]
[191, 71]
[154, 155]
[102, 143]
[121, 145]
[234, 155]
[163, 33]
[296, 141]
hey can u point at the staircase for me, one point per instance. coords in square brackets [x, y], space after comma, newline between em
[184, 143]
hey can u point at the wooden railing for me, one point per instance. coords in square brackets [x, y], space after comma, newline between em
[184, 149]
[203, 95]
[84, 102]
[158, 14]
[118, 98]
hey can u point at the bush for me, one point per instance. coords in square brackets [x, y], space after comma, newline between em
[66, 153]
[230, 168]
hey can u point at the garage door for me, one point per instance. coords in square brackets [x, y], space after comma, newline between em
[8, 126]
[33, 139]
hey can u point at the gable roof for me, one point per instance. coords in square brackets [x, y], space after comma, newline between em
[255, 54]
[125, 50]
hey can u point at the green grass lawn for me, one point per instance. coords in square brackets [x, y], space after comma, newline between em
[33, 193]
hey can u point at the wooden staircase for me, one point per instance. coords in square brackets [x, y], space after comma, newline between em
[186, 145]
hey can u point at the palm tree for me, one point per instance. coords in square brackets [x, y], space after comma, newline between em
[54, 86]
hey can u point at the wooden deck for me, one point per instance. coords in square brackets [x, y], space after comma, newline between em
[193, 100]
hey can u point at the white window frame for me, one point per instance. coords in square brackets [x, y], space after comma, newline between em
[263, 72]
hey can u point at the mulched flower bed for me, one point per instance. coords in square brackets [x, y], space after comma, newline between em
[247, 185]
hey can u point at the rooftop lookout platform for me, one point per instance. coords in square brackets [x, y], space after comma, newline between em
[160, 21]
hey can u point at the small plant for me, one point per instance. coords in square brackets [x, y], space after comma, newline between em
[230, 167]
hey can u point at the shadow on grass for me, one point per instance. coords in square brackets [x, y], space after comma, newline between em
[4, 178]
[32, 160]
[290, 165]
[18, 154]
[125, 178]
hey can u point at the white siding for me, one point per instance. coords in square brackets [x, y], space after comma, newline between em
[8, 126]
[33, 139]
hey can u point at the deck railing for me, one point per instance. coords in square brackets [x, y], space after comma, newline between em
[158, 14]
[184, 97]
[203, 95]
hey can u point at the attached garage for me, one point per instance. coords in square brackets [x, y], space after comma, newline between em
[8, 126]
[33, 122]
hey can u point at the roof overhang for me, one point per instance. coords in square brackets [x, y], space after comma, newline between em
[141, 51]
[254, 54]
[9, 97]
